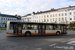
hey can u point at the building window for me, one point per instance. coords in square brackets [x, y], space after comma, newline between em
[53, 15]
[6, 21]
[70, 13]
[70, 18]
[56, 15]
[62, 14]
[44, 16]
[65, 14]
[59, 19]
[47, 20]
[56, 19]
[74, 12]
[44, 20]
[50, 15]
[59, 14]
[62, 19]
[74, 18]
[47, 16]
[50, 19]
[1, 18]
[53, 19]
[65, 18]
[6, 18]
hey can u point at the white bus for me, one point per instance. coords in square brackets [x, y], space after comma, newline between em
[31, 28]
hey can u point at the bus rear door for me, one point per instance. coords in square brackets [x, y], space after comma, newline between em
[41, 29]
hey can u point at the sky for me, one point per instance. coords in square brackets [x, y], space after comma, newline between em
[23, 7]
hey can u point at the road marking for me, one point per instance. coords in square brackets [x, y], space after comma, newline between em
[65, 47]
[63, 41]
[72, 43]
[38, 48]
[52, 44]
[72, 39]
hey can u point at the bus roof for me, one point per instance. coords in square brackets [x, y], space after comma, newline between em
[35, 23]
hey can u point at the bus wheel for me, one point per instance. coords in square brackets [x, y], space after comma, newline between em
[28, 34]
[57, 33]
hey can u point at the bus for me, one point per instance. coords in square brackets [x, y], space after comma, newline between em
[32, 28]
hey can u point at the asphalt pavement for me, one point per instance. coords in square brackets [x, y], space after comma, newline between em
[62, 42]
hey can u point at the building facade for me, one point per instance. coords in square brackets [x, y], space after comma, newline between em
[61, 15]
[4, 18]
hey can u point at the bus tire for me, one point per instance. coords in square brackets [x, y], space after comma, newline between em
[28, 34]
[57, 33]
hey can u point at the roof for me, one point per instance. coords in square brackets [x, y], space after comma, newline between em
[66, 7]
[4, 15]
[49, 11]
[27, 15]
[46, 11]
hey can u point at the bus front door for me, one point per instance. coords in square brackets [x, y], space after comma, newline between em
[41, 29]
[17, 29]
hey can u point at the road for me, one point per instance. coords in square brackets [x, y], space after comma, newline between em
[62, 42]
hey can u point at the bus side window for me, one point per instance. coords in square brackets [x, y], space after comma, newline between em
[35, 27]
[57, 27]
[51, 27]
[47, 27]
[29, 27]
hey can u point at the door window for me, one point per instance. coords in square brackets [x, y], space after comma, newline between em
[15, 28]
[62, 28]
[19, 28]
[65, 29]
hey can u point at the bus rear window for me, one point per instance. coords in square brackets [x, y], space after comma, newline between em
[11, 26]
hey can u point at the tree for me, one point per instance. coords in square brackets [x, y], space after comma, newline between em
[18, 16]
[71, 25]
